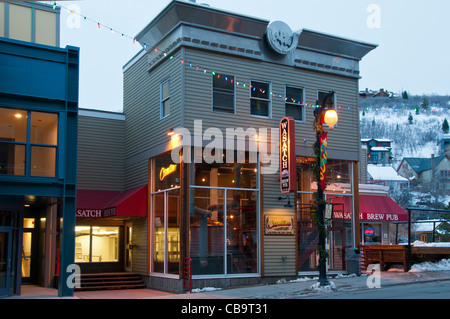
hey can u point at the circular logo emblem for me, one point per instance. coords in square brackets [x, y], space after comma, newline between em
[281, 38]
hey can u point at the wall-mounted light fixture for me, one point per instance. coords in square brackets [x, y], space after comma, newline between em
[171, 132]
[289, 201]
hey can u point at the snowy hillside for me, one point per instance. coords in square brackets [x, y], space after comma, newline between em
[412, 137]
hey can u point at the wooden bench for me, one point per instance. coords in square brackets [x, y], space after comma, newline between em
[387, 254]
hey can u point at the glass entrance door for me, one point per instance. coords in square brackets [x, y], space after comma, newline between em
[128, 247]
[166, 231]
[29, 253]
[5, 262]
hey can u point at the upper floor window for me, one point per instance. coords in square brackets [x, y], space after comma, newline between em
[322, 94]
[294, 103]
[28, 143]
[260, 98]
[223, 93]
[165, 98]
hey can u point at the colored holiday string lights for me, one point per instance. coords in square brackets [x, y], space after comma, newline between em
[248, 85]
[191, 65]
[95, 22]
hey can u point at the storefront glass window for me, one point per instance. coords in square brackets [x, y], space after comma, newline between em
[224, 219]
[207, 231]
[105, 244]
[96, 244]
[339, 228]
[82, 244]
[371, 233]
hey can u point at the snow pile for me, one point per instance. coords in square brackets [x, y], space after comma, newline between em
[318, 288]
[206, 289]
[284, 281]
[442, 265]
[419, 243]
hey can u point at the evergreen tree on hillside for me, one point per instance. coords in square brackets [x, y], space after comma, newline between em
[405, 95]
[445, 127]
[425, 103]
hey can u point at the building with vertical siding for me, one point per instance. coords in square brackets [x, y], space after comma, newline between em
[199, 134]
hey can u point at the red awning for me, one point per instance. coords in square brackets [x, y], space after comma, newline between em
[99, 204]
[371, 208]
[380, 208]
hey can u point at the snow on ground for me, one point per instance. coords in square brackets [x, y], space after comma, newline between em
[318, 288]
[443, 265]
[419, 243]
[206, 289]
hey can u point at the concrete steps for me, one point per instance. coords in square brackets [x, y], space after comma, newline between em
[110, 281]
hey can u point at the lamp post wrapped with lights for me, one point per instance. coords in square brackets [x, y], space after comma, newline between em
[324, 113]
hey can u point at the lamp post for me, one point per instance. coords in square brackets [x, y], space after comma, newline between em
[323, 114]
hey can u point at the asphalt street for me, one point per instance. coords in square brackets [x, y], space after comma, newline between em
[419, 290]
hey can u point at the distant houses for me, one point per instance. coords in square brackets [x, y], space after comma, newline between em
[389, 176]
[382, 93]
[431, 172]
[379, 151]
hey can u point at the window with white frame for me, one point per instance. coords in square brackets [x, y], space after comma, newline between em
[165, 98]
[294, 103]
[260, 98]
[223, 93]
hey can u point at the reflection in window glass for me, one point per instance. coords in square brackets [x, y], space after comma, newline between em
[234, 175]
[12, 159]
[260, 99]
[242, 235]
[223, 93]
[294, 103]
[82, 244]
[13, 125]
[167, 173]
[165, 98]
[43, 161]
[173, 231]
[105, 244]
[16, 136]
[207, 231]
[44, 128]
[158, 232]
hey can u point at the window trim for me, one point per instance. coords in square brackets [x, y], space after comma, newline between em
[296, 104]
[269, 99]
[29, 145]
[162, 99]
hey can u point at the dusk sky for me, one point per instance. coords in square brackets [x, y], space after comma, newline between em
[412, 37]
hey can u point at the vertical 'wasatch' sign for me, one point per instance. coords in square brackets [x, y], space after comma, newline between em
[287, 155]
[323, 161]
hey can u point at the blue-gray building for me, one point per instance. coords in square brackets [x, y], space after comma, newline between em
[38, 156]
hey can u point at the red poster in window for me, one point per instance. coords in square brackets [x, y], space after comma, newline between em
[287, 155]
[323, 161]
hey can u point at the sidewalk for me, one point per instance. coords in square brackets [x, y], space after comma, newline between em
[275, 291]
[298, 288]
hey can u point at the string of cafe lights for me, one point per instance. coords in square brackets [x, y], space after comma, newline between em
[99, 24]
[243, 84]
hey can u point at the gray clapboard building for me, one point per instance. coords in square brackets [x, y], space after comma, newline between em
[204, 76]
